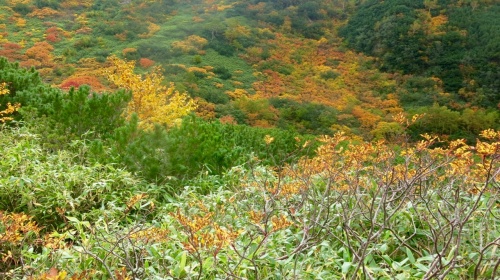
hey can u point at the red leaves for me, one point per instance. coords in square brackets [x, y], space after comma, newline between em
[146, 62]
[78, 81]
[52, 34]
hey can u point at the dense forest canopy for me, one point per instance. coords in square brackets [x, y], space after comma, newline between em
[204, 139]
[456, 42]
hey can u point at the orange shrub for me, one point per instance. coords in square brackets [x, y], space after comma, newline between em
[11, 51]
[43, 13]
[146, 62]
[78, 81]
[52, 34]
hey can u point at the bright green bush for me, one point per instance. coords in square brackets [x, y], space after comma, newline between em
[50, 186]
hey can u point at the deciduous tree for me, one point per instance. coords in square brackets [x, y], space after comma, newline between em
[152, 101]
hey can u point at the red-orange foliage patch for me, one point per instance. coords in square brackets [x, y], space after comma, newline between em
[78, 81]
[40, 56]
[146, 62]
[52, 34]
[11, 51]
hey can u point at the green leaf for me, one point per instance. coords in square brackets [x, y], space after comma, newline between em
[345, 267]
[179, 270]
[73, 219]
[410, 255]
[387, 259]
[422, 267]
[87, 224]
[452, 251]
[396, 266]
[154, 252]
[183, 262]
[383, 248]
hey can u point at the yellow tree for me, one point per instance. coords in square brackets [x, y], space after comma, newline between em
[152, 101]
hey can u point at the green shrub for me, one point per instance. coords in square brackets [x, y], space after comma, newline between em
[330, 74]
[278, 66]
[197, 145]
[212, 95]
[305, 117]
[85, 42]
[58, 115]
[22, 8]
[53, 4]
[222, 72]
[50, 186]
[222, 47]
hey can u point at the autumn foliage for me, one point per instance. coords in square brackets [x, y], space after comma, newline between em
[39, 56]
[192, 44]
[152, 101]
[53, 34]
[12, 51]
[81, 184]
[295, 158]
[146, 62]
[10, 108]
[15, 229]
[77, 81]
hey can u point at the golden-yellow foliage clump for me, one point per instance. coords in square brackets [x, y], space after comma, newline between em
[44, 13]
[152, 29]
[15, 226]
[15, 2]
[10, 108]
[152, 101]
[192, 44]
[202, 231]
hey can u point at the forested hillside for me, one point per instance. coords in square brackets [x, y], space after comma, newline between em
[299, 65]
[207, 139]
[455, 41]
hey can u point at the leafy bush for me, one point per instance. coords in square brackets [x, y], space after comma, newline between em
[304, 117]
[215, 96]
[59, 116]
[222, 72]
[18, 78]
[22, 8]
[329, 74]
[452, 125]
[222, 47]
[77, 112]
[54, 4]
[50, 186]
[85, 42]
[155, 50]
[197, 145]
[375, 205]
[278, 66]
